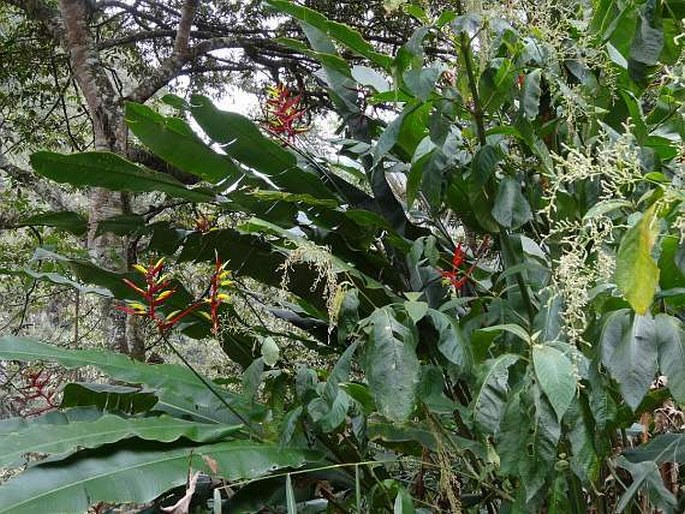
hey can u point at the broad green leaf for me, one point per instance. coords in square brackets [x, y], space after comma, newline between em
[241, 138]
[637, 275]
[369, 77]
[108, 170]
[605, 207]
[528, 438]
[421, 81]
[67, 220]
[61, 280]
[403, 502]
[647, 43]
[556, 376]
[585, 462]
[122, 225]
[179, 391]
[488, 405]
[671, 347]
[451, 342]
[391, 365]
[416, 310]
[173, 140]
[68, 438]
[517, 330]
[646, 476]
[531, 94]
[139, 474]
[270, 351]
[511, 208]
[480, 196]
[629, 352]
[663, 448]
[337, 31]
[108, 397]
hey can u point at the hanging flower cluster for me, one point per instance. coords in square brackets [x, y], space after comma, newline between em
[283, 112]
[156, 291]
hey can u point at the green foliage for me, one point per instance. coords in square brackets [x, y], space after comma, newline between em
[499, 317]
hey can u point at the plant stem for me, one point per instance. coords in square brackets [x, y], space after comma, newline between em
[508, 254]
[204, 381]
[465, 47]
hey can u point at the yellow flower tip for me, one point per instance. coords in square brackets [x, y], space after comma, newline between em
[224, 275]
[206, 314]
[171, 315]
[163, 278]
[223, 297]
[141, 269]
[159, 263]
[226, 283]
[164, 295]
[137, 306]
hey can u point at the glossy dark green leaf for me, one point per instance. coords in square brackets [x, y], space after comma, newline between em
[646, 476]
[108, 397]
[556, 376]
[102, 169]
[663, 448]
[179, 391]
[629, 352]
[174, 141]
[120, 475]
[670, 337]
[67, 220]
[391, 365]
[647, 43]
[241, 138]
[491, 398]
[511, 209]
[68, 438]
[337, 31]
[531, 94]
[451, 341]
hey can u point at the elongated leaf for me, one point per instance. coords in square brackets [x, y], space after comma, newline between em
[56, 278]
[637, 274]
[135, 475]
[67, 220]
[511, 208]
[241, 138]
[531, 94]
[488, 405]
[391, 365]
[629, 351]
[66, 439]
[671, 346]
[338, 31]
[108, 397]
[174, 141]
[646, 476]
[180, 392]
[517, 330]
[451, 342]
[663, 448]
[102, 169]
[556, 376]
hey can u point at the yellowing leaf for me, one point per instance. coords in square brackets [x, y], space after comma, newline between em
[637, 274]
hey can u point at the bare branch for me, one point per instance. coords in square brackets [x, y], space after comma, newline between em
[184, 26]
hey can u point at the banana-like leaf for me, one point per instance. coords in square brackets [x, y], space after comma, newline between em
[67, 438]
[102, 169]
[179, 391]
[137, 473]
